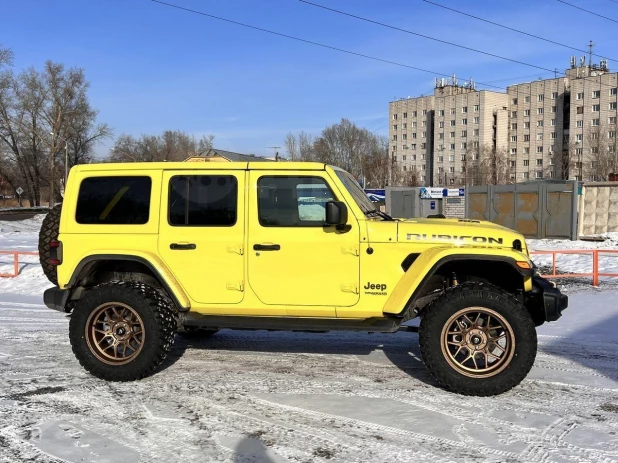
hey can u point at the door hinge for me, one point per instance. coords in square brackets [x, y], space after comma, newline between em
[350, 250]
[236, 249]
[353, 288]
[235, 286]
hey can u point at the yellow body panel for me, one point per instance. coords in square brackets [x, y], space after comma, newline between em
[318, 272]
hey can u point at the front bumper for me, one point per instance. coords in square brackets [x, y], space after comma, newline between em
[552, 300]
[56, 298]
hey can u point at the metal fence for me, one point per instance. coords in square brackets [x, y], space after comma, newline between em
[16, 255]
[536, 209]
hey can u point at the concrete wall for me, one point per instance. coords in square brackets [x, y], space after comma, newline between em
[455, 207]
[598, 208]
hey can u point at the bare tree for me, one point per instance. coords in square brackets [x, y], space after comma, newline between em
[300, 147]
[33, 105]
[171, 145]
[601, 159]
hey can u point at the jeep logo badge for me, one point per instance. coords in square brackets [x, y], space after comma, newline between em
[377, 289]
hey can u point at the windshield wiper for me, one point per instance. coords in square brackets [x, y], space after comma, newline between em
[384, 215]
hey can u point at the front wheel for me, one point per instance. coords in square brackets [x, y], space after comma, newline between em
[477, 339]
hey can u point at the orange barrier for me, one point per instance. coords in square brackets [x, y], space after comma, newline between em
[595, 274]
[16, 261]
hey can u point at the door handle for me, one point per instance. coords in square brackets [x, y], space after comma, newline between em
[266, 247]
[182, 246]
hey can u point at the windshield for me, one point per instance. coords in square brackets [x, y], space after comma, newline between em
[356, 191]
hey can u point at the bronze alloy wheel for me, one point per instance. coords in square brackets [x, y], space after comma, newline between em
[115, 333]
[478, 342]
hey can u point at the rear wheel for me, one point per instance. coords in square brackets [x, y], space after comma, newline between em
[49, 231]
[122, 331]
[477, 339]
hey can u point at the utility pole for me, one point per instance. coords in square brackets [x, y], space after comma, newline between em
[51, 173]
[276, 152]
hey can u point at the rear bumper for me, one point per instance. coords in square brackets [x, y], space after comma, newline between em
[56, 298]
[553, 301]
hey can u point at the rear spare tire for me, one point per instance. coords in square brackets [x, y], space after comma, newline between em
[49, 231]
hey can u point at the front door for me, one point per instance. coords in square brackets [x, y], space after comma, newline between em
[202, 232]
[293, 259]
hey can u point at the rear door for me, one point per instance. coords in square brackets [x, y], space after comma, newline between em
[202, 231]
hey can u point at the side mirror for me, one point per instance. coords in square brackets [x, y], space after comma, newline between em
[336, 213]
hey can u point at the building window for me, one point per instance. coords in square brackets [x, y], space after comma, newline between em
[527, 125]
[405, 126]
[441, 112]
[539, 123]
[513, 150]
[452, 134]
[579, 151]
[476, 132]
[539, 174]
[514, 126]
[526, 162]
[464, 133]
[540, 98]
[462, 169]
[423, 178]
[580, 123]
[553, 122]
[612, 105]
[414, 135]
[475, 157]
[539, 149]
[539, 162]
[596, 108]
[414, 124]
[596, 94]
[423, 145]
[423, 158]
[395, 127]
[580, 110]
[477, 120]
[452, 146]
[579, 137]
[441, 124]
[424, 134]
[440, 158]
[405, 168]
[413, 146]
[413, 113]
[413, 157]
[405, 136]
[513, 164]
[551, 162]
[554, 95]
[464, 145]
[526, 137]
[464, 109]
[463, 157]
[424, 112]
[527, 99]
[612, 120]
[594, 136]
[440, 169]
[394, 117]
[513, 114]
[453, 123]
[514, 101]
[539, 110]
[554, 109]
[475, 144]
[451, 170]
[539, 136]
[477, 108]
[403, 158]
[611, 134]
[451, 158]
[513, 138]
[424, 124]
[441, 136]
[453, 111]
[580, 96]
[554, 135]
[526, 150]
[596, 122]
[526, 112]
[405, 115]
[552, 149]
[394, 137]
[464, 121]
[613, 91]
[594, 150]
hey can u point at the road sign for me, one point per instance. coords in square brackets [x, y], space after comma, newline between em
[19, 191]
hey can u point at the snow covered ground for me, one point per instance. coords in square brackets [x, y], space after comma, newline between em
[278, 397]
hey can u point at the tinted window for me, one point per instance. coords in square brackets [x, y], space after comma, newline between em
[203, 200]
[293, 201]
[114, 201]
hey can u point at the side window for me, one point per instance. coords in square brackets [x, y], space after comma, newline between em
[114, 201]
[293, 201]
[203, 200]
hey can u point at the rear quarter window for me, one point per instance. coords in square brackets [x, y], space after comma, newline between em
[114, 201]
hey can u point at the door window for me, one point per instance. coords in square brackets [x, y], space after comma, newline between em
[203, 200]
[293, 201]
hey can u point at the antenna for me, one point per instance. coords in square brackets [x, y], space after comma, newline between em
[276, 152]
[590, 45]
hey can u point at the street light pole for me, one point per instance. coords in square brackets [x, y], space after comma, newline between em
[66, 156]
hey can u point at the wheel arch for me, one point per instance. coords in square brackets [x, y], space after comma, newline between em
[99, 268]
[417, 283]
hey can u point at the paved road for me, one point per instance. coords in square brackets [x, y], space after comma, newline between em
[16, 216]
[276, 397]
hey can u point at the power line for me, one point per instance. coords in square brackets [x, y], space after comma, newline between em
[312, 42]
[425, 36]
[588, 11]
[517, 30]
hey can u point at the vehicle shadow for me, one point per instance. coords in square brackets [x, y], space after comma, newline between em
[399, 349]
[251, 450]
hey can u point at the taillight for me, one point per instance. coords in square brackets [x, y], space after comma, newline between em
[55, 252]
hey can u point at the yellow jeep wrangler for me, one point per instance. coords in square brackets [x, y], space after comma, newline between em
[139, 252]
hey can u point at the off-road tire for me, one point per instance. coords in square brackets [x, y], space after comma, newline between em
[158, 316]
[487, 296]
[49, 231]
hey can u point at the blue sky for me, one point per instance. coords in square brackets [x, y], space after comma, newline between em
[152, 67]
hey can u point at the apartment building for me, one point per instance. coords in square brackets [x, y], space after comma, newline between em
[563, 127]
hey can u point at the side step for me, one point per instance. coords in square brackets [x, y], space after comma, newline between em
[215, 322]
